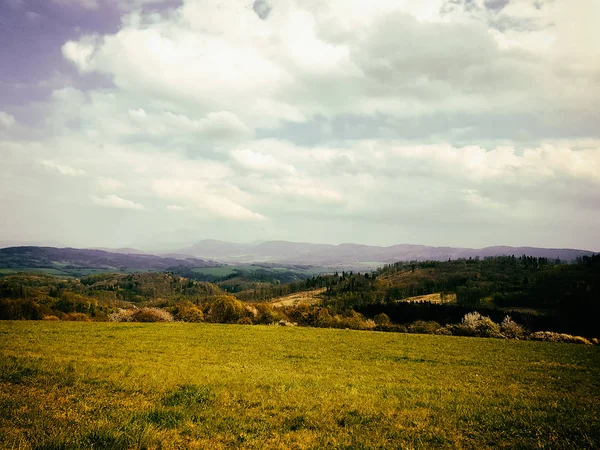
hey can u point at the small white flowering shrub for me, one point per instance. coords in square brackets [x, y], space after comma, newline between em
[511, 329]
[141, 315]
[474, 324]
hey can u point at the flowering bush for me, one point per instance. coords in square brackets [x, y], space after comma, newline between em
[141, 315]
[511, 329]
[474, 324]
[550, 336]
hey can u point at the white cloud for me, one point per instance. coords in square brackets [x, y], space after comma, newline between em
[259, 162]
[108, 184]
[395, 58]
[63, 169]
[214, 200]
[114, 201]
[175, 208]
[6, 120]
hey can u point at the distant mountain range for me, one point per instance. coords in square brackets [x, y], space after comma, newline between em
[210, 252]
[354, 254]
[71, 258]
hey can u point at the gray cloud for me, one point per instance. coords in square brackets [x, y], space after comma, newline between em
[262, 8]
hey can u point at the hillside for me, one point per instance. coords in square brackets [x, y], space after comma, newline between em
[355, 255]
[538, 293]
[74, 260]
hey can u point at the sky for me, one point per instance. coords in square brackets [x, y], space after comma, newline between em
[155, 124]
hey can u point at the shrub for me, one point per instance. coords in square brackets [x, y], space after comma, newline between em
[423, 327]
[226, 309]
[50, 318]
[267, 314]
[151, 315]
[77, 317]
[188, 313]
[351, 319]
[244, 321]
[474, 324]
[324, 318]
[382, 319]
[141, 315]
[122, 315]
[444, 331]
[511, 329]
[550, 336]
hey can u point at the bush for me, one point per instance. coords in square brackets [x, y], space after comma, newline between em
[550, 336]
[511, 329]
[444, 331]
[382, 319]
[353, 320]
[50, 318]
[77, 317]
[188, 314]
[474, 324]
[141, 315]
[226, 309]
[244, 321]
[151, 315]
[267, 314]
[423, 327]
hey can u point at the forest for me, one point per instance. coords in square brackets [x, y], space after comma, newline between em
[539, 293]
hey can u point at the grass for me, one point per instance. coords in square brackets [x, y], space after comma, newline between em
[103, 385]
[299, 298]
[432, 298]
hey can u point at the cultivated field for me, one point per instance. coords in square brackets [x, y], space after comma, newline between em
[103, 385]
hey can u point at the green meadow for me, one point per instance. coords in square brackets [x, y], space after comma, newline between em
[67, 385]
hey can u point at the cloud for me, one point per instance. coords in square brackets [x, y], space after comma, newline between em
[390, 58]
[389, 120]
[108, 184]
[63, 169]
[6, 120]
[86, 4]
[259, 162]
[261, 8]
[212, 200]
[114, 201]
[123, 5]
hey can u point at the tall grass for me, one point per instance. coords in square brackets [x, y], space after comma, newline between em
[178, 385]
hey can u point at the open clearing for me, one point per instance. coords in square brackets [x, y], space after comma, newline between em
[311, 297]
[432, 298]
[105, 385]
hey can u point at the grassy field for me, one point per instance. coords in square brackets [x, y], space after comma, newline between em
[299, 298]
[103, 385]
[432, 298]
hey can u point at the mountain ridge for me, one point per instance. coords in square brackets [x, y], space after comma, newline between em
[350, 253]
[211, 252]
